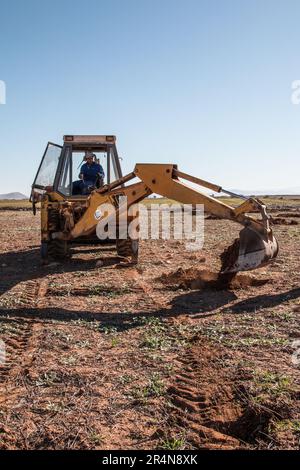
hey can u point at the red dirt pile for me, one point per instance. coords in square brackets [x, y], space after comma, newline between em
[195, 279]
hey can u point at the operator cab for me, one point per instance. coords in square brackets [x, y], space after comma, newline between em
[61, 165]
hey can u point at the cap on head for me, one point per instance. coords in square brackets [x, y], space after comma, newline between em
[89, 155]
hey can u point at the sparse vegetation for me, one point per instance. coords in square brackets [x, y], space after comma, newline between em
[286, 425]
[270, 385]
[47, 379]
[173, 443]
[154, 388]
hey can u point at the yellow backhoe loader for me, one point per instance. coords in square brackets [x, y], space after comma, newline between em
[68, 217]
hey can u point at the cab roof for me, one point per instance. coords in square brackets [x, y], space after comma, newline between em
[90, 139]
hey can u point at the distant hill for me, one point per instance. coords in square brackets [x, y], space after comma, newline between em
[15, 196]
[269, 192]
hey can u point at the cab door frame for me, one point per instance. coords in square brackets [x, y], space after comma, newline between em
[38, 186]
[66, 153]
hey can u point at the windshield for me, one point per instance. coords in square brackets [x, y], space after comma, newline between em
[46, 173]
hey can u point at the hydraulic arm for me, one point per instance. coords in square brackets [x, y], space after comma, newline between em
[256, 245]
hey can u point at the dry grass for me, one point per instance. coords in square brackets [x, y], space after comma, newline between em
[12, 204]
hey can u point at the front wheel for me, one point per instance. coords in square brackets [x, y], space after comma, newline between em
[128, 248]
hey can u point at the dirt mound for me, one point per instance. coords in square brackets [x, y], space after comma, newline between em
[284, 221]
[289, 214]
[230, 255]
[194, 279]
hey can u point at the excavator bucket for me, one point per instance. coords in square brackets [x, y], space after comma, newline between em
[252, 250]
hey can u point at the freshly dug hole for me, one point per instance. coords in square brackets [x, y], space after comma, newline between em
[194, 279]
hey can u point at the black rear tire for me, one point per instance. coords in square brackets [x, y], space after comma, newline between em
[44, 252]
[58, 250]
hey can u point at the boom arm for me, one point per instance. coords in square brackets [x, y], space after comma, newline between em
[256, 245]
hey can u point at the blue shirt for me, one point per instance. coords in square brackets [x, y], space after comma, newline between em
[90, 172]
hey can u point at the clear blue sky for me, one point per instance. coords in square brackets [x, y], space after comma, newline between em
[205, 84]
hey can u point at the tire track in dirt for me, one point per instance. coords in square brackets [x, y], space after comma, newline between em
[203, 401]
[16, 332]
[205, 408]
[150, 301]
